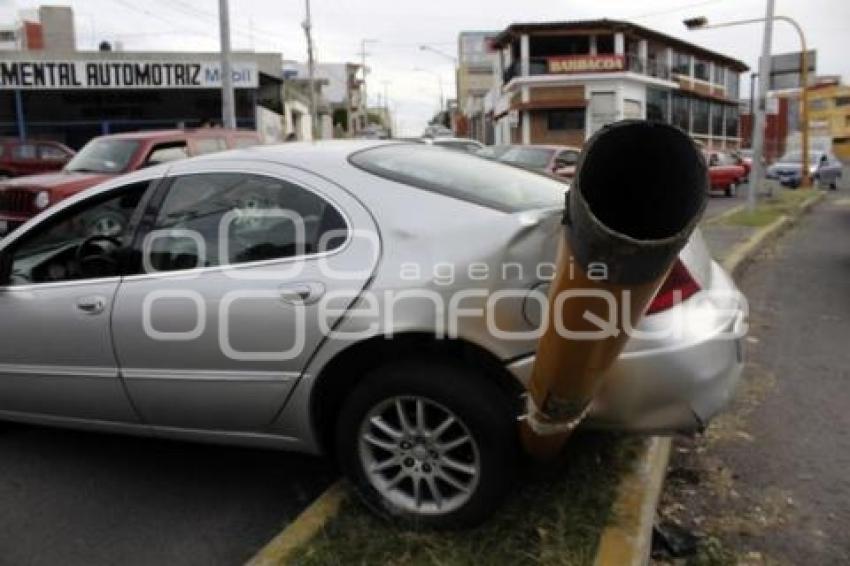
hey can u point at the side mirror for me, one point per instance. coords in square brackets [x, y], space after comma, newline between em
[6, 261]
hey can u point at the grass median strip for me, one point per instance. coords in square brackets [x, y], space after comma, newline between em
[554, 516]
[783, 202]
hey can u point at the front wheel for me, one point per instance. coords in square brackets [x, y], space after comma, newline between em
[429, 443]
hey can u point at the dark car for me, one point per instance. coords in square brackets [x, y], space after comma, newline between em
[557, 160]
[18, 157]
[105, 157]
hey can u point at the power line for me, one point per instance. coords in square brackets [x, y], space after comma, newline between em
[674, 10]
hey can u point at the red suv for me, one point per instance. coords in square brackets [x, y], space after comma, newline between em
[107, 156]
[19, 157]
[725, 172]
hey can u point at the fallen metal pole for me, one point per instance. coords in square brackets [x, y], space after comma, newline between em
[639, 191]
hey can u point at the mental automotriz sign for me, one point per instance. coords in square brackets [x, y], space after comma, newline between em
[121, 74]
[586, 63]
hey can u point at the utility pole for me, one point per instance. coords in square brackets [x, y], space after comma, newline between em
[364, 97]
[311, 71]
[228, 110]
[758, 116]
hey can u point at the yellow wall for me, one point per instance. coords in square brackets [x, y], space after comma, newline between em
[829, 111]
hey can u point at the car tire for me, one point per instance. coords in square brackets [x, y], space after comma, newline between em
[731, 189]
[385, 457]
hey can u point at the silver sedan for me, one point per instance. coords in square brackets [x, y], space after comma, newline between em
[374, 300]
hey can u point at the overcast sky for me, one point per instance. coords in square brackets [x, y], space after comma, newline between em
[400, 26]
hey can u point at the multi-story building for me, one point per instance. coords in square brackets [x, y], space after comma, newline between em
[474, 81]
[342, 91]
[829, 114]
[47, 27]
[560, 82]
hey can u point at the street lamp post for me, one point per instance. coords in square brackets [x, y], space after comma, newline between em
[764, 72]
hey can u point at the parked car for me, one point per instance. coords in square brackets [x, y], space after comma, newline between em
[107, 156]
[19, 157]
[459, 144]
[437, 131]
[552, 159]
[224, 312]
[824, 168]
[744, 157]
[725, 172]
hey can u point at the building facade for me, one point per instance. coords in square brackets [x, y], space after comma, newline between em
[475, 58]
[558, 83]
[829, 115]
[342, 92]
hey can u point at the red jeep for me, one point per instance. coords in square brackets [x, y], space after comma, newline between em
[725, 172]
[19, 157]
[108, 156]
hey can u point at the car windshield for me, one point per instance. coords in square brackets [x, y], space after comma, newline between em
[797, 157]
[103, 156]
[535, 157]
[463, 176]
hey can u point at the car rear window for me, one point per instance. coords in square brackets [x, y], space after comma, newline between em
[463, 176]
[536, 157]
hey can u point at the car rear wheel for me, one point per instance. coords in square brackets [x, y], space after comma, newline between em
[429, 443]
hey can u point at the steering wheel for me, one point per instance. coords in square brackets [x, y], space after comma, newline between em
[108, 265]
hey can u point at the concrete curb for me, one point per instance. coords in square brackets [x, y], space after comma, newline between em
[300, 531]
[628, 539]
[724, 215]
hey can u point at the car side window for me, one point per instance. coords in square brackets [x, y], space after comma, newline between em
[242, 142]
[78, 243]
[209, 145]
[212, 219]
[51, 153]
[24, 151]
[165, 152]
[567, 159]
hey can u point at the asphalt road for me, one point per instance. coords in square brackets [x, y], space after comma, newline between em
[89, 499]
[801, 301]
[718, 204]
[770, 478]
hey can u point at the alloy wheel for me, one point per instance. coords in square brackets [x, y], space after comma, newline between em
[418, 455]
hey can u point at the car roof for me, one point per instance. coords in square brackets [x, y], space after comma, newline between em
[157, 134]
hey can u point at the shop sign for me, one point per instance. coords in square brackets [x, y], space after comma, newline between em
[586, 64]
[46, 75]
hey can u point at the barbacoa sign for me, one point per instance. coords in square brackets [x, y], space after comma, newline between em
[586, 63]
[121, 74]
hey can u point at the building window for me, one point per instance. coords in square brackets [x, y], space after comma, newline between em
[657, 105]
[699, 108]
[702, 70]
[719, 75]
[731, 122]
[681, 111]
[842, 100]
[681, 63]
[819, 104]
[605, 44]
[716, 119]
[565, 119]
[732, 85]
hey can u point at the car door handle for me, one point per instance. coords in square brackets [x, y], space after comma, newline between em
[91, 305]
[302, 293]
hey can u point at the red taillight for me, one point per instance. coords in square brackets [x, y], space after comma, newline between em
[678, 286]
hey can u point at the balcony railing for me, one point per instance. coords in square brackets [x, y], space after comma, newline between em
[632, 63]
